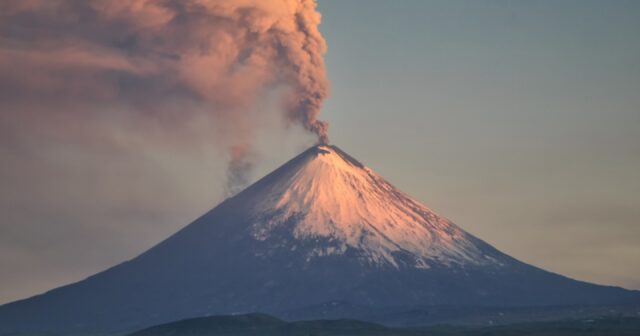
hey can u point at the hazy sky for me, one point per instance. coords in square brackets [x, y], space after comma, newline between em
[519, 121]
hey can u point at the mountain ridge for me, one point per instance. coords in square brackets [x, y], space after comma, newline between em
[264, 325]
[309, 233]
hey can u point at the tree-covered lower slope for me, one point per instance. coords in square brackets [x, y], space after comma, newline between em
[265, 325]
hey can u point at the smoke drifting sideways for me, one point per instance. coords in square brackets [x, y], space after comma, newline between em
[163, 61]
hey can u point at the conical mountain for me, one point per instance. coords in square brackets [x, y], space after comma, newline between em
[329, 199]
[321, 236]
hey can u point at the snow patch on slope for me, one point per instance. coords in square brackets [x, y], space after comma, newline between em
[329, 195]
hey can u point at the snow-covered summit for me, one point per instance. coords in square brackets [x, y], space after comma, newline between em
[333, 198]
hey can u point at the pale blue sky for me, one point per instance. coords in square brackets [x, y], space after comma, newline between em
[519, 120]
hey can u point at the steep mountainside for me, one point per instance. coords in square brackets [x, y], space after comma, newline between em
[321, 236]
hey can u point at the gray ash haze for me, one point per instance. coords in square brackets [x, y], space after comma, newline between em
[121, 122]
[157, 63]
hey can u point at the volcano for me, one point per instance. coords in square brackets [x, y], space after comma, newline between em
[321, 236]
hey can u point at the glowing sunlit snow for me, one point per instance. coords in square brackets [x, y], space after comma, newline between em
[331, 196]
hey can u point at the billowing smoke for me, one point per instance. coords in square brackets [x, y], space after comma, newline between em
[163, 61]
[239, 169]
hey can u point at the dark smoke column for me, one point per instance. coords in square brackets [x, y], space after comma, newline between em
[306, 70]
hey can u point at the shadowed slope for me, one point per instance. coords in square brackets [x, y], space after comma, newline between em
[320, 229]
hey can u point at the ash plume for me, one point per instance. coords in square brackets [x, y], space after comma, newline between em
[240, 165]
[163, 61]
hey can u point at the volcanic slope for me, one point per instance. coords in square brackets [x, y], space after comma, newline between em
[322, 236]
